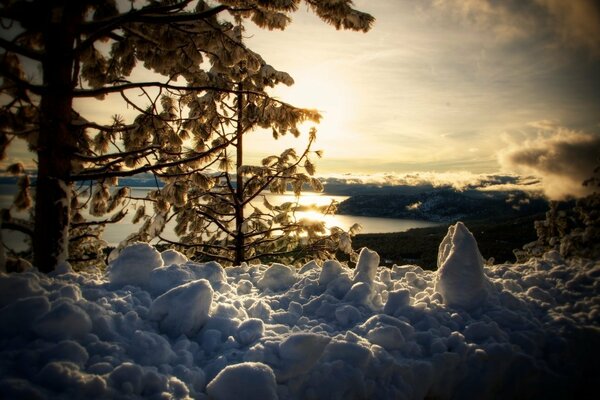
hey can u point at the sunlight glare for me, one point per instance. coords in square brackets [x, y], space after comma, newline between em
[331, 96]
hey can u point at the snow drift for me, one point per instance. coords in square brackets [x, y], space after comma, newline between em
[158, 326]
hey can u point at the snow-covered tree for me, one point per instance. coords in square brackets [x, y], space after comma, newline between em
[55, 52]
[572, 227]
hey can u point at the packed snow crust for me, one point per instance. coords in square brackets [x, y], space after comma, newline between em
[157, 326]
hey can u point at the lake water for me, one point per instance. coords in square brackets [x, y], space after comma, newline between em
[115, 233]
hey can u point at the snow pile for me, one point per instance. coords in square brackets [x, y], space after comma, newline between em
[460, 278]
[186, 330]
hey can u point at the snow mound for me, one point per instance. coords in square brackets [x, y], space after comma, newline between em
[366, 266]
[171, 257]
[266, 331]
[277, 277]
[184, 309]
[245, 381]
[134, 265]
[460, 278]
[164, 278]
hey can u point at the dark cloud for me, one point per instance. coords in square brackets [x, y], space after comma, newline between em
[562, 160]
[577, 22]
[572, 23]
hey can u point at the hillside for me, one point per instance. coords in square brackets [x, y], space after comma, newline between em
[500, 220]
[419, 246]
[443, 205]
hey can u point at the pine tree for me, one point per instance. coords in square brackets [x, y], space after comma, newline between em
[94, 48]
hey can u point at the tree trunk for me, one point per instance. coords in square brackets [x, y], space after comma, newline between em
[239, 183]
[56, 143]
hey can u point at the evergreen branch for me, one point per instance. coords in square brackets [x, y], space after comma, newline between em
[15, 48]
[280, 228]
[99, 173]
[152, 14]
[103, 222]
[103, 128]
[272, 254]
[277, 175]
[13, 226]
[148, 15]
[22, 83]
[191, 245]
[215, 221]
[122, 155]
[83, 236]
[142, 85]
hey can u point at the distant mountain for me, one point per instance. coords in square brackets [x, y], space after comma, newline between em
[442, 204]
[139, 180]
[355, 189]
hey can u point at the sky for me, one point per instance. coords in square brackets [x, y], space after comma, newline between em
[474, 86]
[441, 87]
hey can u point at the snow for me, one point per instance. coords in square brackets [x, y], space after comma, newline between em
[366, 266]
[171, 256]
[460, 278]
[134, 265]
[184, 309]
[277, 277]
[244, 381]
[156, 325]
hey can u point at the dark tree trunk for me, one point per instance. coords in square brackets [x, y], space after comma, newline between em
[239, 191]
[56, 143]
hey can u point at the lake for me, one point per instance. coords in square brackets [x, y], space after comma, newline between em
[115, 233]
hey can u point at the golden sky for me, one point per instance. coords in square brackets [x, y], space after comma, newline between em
[444, 85]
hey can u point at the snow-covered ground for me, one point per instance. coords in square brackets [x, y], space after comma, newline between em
[157, 326]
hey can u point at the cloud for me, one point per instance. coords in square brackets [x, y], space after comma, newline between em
[459, 180]
[572, 23]
[577, 22]
[561, 158]
[506, 19]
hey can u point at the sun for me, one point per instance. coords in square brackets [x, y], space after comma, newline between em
[327, 93]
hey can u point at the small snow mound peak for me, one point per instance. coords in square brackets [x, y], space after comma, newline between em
[171, 257]
[331, 269]
[245, 381]
[183, 310]
[366, 266]
[134, 265]
[277, 277]
[212, 271]
[63, 268]
[460, 278]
